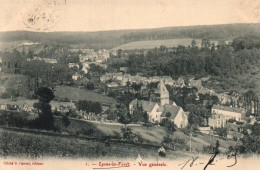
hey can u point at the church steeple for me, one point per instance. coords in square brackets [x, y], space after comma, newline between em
[162, 93]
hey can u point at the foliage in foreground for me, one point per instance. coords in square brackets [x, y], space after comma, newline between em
[35, 146]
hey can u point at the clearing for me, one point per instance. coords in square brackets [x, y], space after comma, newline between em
[157, 43]
[72, 93]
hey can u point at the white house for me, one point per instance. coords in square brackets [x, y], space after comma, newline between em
[73, 65]
[113, 84]
[76, 76]
[228, 112]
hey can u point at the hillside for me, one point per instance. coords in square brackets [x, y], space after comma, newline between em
[76, 94]
[153, 136]
[34, 143]
[111, 39]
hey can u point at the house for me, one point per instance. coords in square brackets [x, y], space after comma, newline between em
[168, 80]
[46, 60]
[195, 83]
[118, 76]
[177, 115]
[159, 106]
[71, 65]
[3, 106]
[50, 60]
[76, 76]
[123, 69]
[154, 79]
[228, 112]
[2, 89]
[85, 70]
[112, 84]
[217, 121]
[180, 83]
[150, 107]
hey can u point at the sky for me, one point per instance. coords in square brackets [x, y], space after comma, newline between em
[97, 15]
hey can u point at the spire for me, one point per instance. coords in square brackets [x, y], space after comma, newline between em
[162, 93]
[161, 88]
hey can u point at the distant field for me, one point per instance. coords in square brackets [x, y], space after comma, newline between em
[157, 43]
[80, 94]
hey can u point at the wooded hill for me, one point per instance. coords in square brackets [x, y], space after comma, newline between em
[110, 39]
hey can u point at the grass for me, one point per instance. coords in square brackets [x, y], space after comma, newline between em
[29, 102]
[28, 145]
[157, 43]
[72, 143]
[76, 94]
[153, 136]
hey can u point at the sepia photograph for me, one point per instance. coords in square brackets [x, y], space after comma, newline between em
[129, 84]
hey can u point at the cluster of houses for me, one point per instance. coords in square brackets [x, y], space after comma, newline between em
[46, 60]
[121, 79]
[88, 57]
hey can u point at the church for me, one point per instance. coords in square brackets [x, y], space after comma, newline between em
[160, 106]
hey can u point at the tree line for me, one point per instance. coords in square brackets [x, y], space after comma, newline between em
[210, 59]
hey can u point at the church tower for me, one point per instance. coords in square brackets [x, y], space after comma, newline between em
[162, 94]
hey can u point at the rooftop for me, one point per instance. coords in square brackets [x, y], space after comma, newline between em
[230, 109]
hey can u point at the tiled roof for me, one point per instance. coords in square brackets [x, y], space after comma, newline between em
[169, 108]
[147, 105]
[226, 108]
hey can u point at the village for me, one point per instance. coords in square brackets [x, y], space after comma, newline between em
[224, 113]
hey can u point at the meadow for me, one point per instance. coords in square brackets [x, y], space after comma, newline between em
[157, 43]
[72, 93]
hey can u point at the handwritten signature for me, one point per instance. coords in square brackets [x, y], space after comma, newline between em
[210, 161]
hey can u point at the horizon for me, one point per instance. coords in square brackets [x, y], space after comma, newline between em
[138, 29]
[110, 15]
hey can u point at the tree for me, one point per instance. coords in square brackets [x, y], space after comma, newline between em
[45, 94]
[217, 147]
[205, 43]
[127, 133]
[90, 86]
[95, 107]
[65, 120]
[145, 117]
[125, 119]
[193, 44]
[46, 119]
[111, 115]
[30, 54]
[170, 127]
[138, 114]
[168, 115]
[136, 87]
[222, 131]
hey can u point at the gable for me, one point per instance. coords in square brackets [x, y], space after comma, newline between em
[174, 110]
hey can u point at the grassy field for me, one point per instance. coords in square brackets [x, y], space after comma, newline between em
[29, 102]
[77, 142]
[157, 43]
[76, 94]
[30, 145]
[152, 136]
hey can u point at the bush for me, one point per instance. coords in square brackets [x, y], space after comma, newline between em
[208, 149]
[89, 132]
